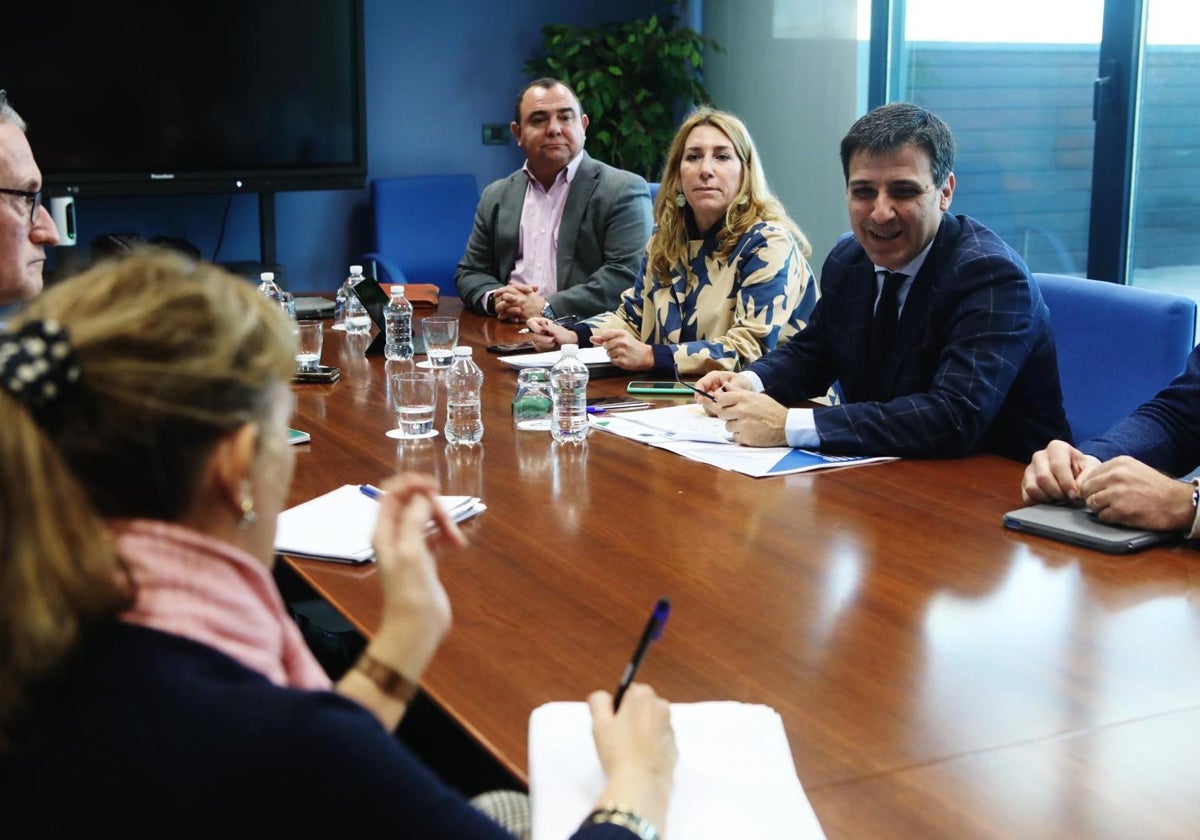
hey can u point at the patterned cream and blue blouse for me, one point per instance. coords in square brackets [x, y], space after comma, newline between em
[720, 314]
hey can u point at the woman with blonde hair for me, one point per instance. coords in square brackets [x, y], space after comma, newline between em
[725, 277]
[151, 680]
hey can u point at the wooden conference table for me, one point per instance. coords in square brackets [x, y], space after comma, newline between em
[938, 675]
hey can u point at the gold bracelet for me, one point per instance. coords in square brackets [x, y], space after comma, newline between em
[386, 678]
[625, 818]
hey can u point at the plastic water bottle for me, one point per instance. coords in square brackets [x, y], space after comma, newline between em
[464, 413]
[397, 319]
[268, 288]
[339, 307]
[358, 322]
[568, 392]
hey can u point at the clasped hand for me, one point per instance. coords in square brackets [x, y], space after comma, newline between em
[1122, 491]
[517, 302]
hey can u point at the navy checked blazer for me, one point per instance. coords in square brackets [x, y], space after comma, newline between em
[1163, 432]
[973, 367]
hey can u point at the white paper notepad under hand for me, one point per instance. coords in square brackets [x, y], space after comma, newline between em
[734, 777]
[338, 525]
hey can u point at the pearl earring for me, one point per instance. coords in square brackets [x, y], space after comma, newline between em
[249, 514]
[680, 199]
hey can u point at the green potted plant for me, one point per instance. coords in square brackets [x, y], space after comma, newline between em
[633, 78]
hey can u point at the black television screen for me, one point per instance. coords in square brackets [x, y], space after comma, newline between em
[214, 96]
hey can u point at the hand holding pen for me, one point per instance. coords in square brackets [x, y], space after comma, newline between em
[652, 633]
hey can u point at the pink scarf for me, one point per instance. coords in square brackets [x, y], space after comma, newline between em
[195, 586]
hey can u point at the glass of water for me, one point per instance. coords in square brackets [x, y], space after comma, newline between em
[441, 337]
[413, 398]
[309, 339]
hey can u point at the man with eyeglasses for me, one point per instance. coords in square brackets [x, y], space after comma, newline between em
[25, 225]
[930, 324]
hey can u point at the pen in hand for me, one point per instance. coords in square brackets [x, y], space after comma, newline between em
[564, 321]
[652, 633]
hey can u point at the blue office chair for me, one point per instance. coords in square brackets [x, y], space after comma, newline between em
[421, 225]
[1117, 346]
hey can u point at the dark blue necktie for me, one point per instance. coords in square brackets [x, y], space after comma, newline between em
[883, 331]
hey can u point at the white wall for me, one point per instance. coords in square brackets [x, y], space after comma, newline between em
[790, 70]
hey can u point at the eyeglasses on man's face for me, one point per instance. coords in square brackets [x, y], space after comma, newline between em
[32, 199]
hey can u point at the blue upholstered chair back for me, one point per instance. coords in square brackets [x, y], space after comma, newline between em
[421, 225]
[1117, 346]
[653, 185]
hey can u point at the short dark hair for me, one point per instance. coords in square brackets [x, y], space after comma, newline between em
[891, 127]
[545, 83]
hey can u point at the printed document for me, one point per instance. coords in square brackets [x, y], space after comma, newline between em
[688, 431]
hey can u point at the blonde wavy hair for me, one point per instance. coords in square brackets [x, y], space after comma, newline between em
[753, 203]
[173, 356]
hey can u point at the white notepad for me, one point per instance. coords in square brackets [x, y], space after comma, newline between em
[734, 777]
[338, 526]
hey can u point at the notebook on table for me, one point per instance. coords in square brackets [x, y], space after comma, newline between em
[1079, 526]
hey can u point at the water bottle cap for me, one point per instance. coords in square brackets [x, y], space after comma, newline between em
[356, 269]
[462, 350]
[570, 349]
[267, 275]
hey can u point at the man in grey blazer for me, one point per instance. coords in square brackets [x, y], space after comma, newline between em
[563, 235]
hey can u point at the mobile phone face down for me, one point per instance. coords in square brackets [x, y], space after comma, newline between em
[511, 347]
[664, 388]
[322, 374]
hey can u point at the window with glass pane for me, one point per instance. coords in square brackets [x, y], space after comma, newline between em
[1014, 82]
[1165, 246]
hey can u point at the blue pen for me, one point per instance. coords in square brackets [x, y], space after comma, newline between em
[652, 633]
[370, 491]
[595, 409]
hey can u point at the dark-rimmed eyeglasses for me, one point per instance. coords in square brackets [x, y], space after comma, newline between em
[33, 199]
[704, 394]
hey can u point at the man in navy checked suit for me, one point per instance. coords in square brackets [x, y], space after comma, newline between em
[970, 364]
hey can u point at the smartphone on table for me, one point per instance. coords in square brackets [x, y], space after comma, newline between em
[664, 388]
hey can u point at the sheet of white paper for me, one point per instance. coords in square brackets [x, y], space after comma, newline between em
[339, 524]
[587, 355]
[734, 777]
[687, 431]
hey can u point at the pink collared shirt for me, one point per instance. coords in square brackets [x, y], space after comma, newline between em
[537, 260]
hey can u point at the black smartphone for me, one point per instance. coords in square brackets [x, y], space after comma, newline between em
[322, 373]
[512, 347]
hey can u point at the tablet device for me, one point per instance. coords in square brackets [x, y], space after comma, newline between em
[1079, 526]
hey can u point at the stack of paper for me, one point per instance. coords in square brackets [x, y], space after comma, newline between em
[689, 431]
[734, 777]
[588, 355]
[339, 525]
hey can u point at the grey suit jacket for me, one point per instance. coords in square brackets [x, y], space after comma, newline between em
[601, 239]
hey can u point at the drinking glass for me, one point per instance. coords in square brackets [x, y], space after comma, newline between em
[309, 340]
[441, 337]
[413, 398]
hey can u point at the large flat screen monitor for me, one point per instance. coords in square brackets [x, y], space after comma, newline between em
[142, 97]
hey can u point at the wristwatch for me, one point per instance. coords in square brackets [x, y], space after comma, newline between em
[547, 312]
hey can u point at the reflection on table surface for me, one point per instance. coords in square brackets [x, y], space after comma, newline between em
[938, 675]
